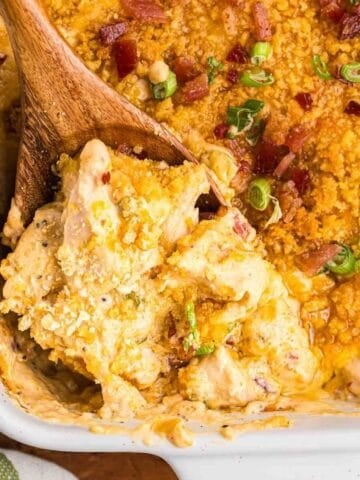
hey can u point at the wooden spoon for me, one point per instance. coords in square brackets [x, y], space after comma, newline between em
[64, 105]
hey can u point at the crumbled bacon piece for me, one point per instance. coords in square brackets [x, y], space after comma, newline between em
[126, 57]
[332, 9]
[105, 178]
[124, 148]
[242, 178]
[238, 54]
[297, 137]
[230, 21]
[236, 149]
[184, 69]
[232, 76]
[349, 26]
[206, 216]
[305, 100]
[262, 22]
[312, 262]
[301, 179]
[289, 200]
[283, 165]
[195, 89]
[353, 108]
[110, 33]
[221, 130]
[268, 155]
[145, 11]
[3, 58]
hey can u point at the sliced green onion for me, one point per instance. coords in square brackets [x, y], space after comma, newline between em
[256, 78]
[190, 315]
[344, 263]
[357, 266]
[260, 52]
[205, 349]
[277, 213]
[243, 117]
[214, 66]
[165, 89]
[259, 194]
[320, 68]
[256, 132]
[351, 72]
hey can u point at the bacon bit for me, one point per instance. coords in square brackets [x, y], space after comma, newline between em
[141, 155]
[289, 200]
[312, 262]
[230, 340]
[105, 178]
[332, 9]
[230, 21]
[241, 228]
[171, 328]
[304, 100]
[126, 58]
[301, 178]
[297, 137]
[353, 108]
[195, 89]
[232, 76]
[262, 22]
[268, 155]
[145, 11]
[283, 165]
[349, 26]
[242, 178]
[176, 362]
[3, 58]
[184, 69]
[221, 130]
[110, 33]
[236, 149]
[238, 54]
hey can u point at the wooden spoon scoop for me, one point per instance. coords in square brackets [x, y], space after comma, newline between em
[64, 105]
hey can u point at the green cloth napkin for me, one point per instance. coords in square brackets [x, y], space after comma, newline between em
[7, 470]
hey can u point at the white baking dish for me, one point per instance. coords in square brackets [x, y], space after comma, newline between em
[316, 448]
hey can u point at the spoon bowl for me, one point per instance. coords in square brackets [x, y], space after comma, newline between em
[64, 105]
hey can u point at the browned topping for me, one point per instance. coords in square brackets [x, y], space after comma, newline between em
[297, 137]
[184, 69]
[110, 33]
[289, 200]
[195, 89]
[262, 22]
[145, 11]
[312, 262]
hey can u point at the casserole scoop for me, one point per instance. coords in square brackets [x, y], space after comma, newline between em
[64, 105]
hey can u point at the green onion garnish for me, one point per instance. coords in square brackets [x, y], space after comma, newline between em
[259, 194]
[205, 349]
[344, 263]
[214, 66]
[255, 133]
[320, 68]
[351, 72]
[242, 117]
[256, 78]
[260, 52]
[165, 89]
[191, 338]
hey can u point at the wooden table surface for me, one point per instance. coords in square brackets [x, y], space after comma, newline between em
[102, 466]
